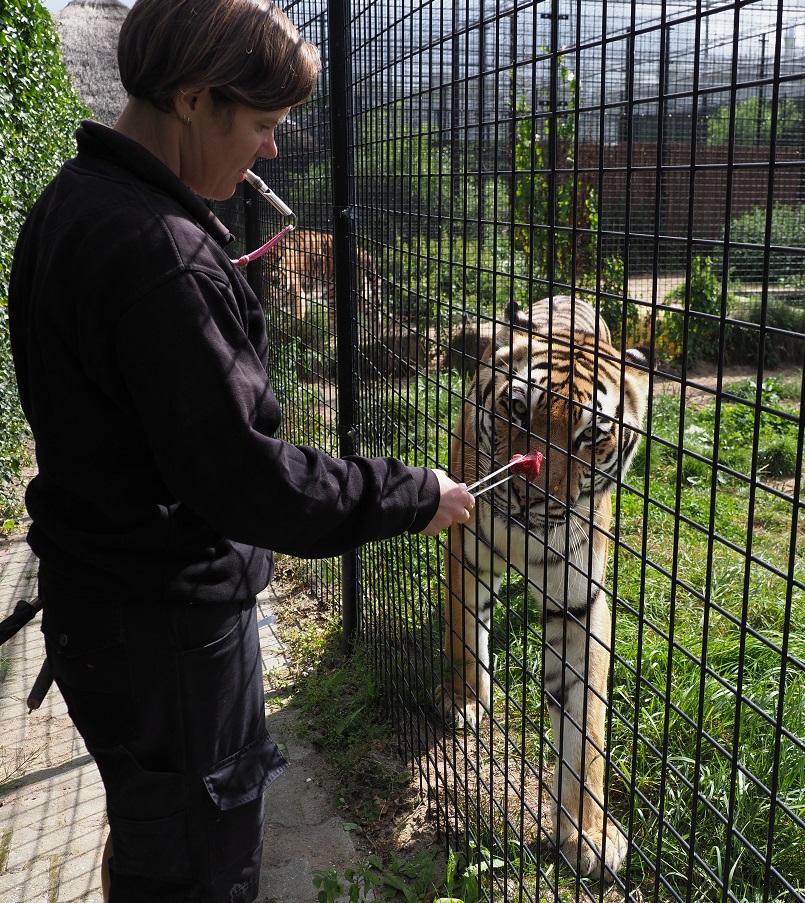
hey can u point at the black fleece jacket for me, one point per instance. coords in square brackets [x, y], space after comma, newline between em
[140, 354]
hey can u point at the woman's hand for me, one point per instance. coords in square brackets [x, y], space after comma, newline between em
[455, 505]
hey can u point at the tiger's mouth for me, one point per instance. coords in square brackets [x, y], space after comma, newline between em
[543, 524]
[533, 507]
[534, 515]
[526, 517]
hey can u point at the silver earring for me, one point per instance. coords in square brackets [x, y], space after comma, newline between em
[186, 119]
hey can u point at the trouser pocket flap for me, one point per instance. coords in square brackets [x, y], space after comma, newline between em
[244, 776]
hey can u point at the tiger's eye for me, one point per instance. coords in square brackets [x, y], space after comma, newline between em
[519, 407]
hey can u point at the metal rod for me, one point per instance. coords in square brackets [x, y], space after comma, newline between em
[491, 485]
[23, 612]
[490, 475]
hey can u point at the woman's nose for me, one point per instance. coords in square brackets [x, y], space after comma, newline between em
[268, 149]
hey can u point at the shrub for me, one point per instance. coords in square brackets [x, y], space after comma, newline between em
[783, 343]
[39, 111]
[752, 123]
[787, 231]
[692, 330]
[623, 316]
[555, 208]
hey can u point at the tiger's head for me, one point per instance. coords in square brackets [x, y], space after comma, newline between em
[552, 381]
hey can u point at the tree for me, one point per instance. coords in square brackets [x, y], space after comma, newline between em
[753, 123]
[560, 241]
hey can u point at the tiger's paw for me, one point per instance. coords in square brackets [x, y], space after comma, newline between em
[460, 711]
[587, 852]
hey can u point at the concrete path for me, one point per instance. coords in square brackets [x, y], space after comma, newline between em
[52, 820]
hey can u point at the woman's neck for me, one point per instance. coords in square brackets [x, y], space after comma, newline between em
[158, 132]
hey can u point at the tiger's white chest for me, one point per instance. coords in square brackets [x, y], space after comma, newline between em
[560, 563]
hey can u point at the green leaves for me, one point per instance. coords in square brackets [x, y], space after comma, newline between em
[39, 112]
[753, 120]
[555, 209]
[411, 880]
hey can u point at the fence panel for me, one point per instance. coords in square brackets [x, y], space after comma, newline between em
[644, 160]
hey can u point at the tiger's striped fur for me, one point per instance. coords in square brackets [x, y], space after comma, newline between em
[552, 382]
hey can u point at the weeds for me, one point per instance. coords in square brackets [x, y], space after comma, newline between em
[412, 880]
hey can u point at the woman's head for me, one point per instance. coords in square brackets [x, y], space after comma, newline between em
[245, 51]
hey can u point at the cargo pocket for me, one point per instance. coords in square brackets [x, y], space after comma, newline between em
[236, 786]
[152, 838]
[90, 666]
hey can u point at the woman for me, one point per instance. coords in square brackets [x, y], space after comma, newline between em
[140, 355]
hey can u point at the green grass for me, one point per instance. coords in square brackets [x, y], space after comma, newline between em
[709, 662]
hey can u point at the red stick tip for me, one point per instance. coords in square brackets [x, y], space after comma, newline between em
[527, 465]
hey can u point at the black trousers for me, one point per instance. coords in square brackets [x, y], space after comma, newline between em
[169, 701]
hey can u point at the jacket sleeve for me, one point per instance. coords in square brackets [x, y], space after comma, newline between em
[209, 414]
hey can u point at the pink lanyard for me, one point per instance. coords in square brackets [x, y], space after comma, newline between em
[254, 255]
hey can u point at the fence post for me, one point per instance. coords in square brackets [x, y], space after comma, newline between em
[252, 237]
[344, 256]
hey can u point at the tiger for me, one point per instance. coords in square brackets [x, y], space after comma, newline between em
[550, 381]
[303, 266]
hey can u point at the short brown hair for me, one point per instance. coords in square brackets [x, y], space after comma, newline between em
[245, 51]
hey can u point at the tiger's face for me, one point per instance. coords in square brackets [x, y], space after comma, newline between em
[574, 398]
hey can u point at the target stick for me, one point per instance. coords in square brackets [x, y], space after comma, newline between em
[527, 465]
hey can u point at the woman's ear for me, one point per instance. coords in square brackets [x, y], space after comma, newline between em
[185, 102]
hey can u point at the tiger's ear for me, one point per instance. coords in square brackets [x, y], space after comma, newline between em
[641, 356]
[513, 315]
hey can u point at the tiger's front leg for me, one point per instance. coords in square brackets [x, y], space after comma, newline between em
[576, 673]
[467, 691]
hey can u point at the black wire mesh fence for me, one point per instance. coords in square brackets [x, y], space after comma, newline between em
[641, 164]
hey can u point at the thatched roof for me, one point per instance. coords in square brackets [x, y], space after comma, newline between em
[89, 30]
